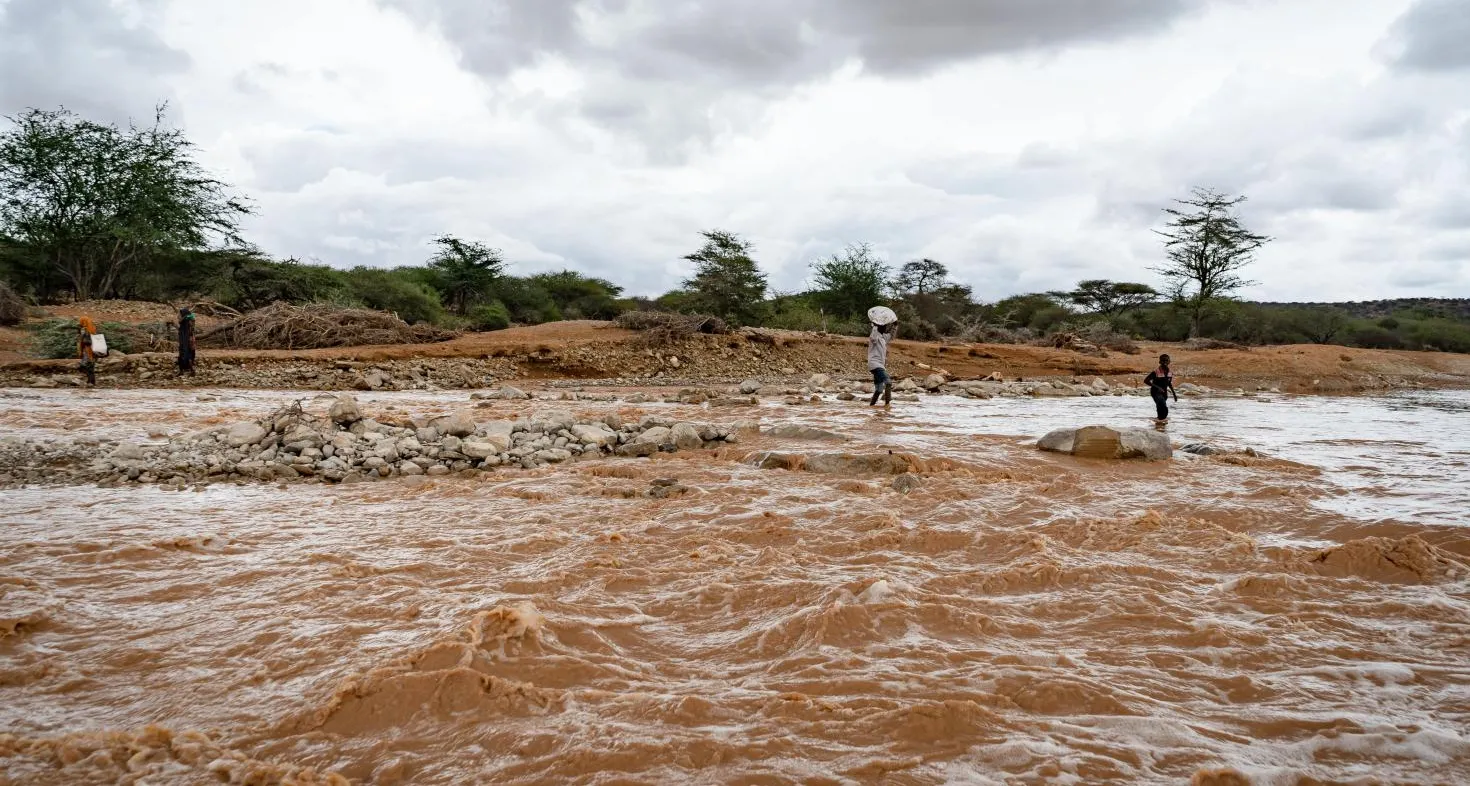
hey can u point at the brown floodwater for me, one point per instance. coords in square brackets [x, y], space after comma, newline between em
[1018, 618]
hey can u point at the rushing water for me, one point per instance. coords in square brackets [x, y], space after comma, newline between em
[1018, 618]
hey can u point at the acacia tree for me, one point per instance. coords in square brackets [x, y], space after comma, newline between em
[848, 284]
[920, 276]
[98, 202]
[1109, 298]
[466, 271]
[1206, 247]
[727, 282]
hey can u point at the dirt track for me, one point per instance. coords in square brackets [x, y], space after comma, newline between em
[594, 350]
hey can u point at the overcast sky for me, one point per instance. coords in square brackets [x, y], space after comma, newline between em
[1024, 143]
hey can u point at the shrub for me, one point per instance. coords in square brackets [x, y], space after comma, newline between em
[396, 293]
[56, 339]
[491, 316]
[12, 307]
[1374, 337]
[1102, 334]
[1440, 334]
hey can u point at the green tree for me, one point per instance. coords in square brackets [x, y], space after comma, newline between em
[1320, 325]
[850, 283]
[467, 271]
[95, 200]
[527, 302]
[726, 282]
[1206, 248]
[1109, 298]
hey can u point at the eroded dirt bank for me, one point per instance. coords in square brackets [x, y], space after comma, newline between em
[597, 351]
[998, 615]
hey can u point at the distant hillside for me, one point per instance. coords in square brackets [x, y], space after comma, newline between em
[1446, 307]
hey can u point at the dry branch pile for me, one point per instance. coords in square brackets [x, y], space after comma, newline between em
[660, 328]
[284, 326]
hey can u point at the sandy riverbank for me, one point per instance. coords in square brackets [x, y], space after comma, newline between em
[596, 351]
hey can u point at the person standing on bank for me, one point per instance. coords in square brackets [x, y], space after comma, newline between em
[885, 325]
[186, 342]
[1160, 383]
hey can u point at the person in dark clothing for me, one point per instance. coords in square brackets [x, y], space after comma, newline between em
[1160, 383]
[186, 341]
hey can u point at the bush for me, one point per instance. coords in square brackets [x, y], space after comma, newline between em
[526, 302]
[12, 307]
[396, 293]
[56, 339]
[491, 316]
[1375, 337]
[1440, 334]
[1049, 318]
[1102, 334]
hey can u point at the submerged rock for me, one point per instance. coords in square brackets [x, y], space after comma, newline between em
[793, 431]
[1108, 443]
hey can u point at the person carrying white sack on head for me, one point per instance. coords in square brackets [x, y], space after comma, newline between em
[885, 326]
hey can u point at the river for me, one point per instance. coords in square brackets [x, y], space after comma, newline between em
[1020, 617]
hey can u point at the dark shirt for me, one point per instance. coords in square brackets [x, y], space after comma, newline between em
[1160, 381]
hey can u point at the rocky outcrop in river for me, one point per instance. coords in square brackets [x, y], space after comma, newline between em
[345, 446]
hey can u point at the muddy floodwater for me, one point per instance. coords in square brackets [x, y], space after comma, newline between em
[1301, 616]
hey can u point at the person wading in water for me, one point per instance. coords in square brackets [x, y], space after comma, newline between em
[85, 331]
[1160, 383]
[186, 342]
[884, 323]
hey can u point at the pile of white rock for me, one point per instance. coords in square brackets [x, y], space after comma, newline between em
[346, 446]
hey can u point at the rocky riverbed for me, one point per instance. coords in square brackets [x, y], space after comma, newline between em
[340, 444]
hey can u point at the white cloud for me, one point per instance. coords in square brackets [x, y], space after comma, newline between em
[362, 129]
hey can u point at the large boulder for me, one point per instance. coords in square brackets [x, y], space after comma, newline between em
[750, 386]
[552, 421]
[480, 449]
[686, 436]
[934, 382]
[857, 464]
[794, 431]
[1106, 442]
[598, 435]
[242, 434]
[128, 451]
[657, 435]
[459, 424]
[344, 411]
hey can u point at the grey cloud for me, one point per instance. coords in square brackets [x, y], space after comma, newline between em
[680, 57]
[84, 55]
[1432, 36]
